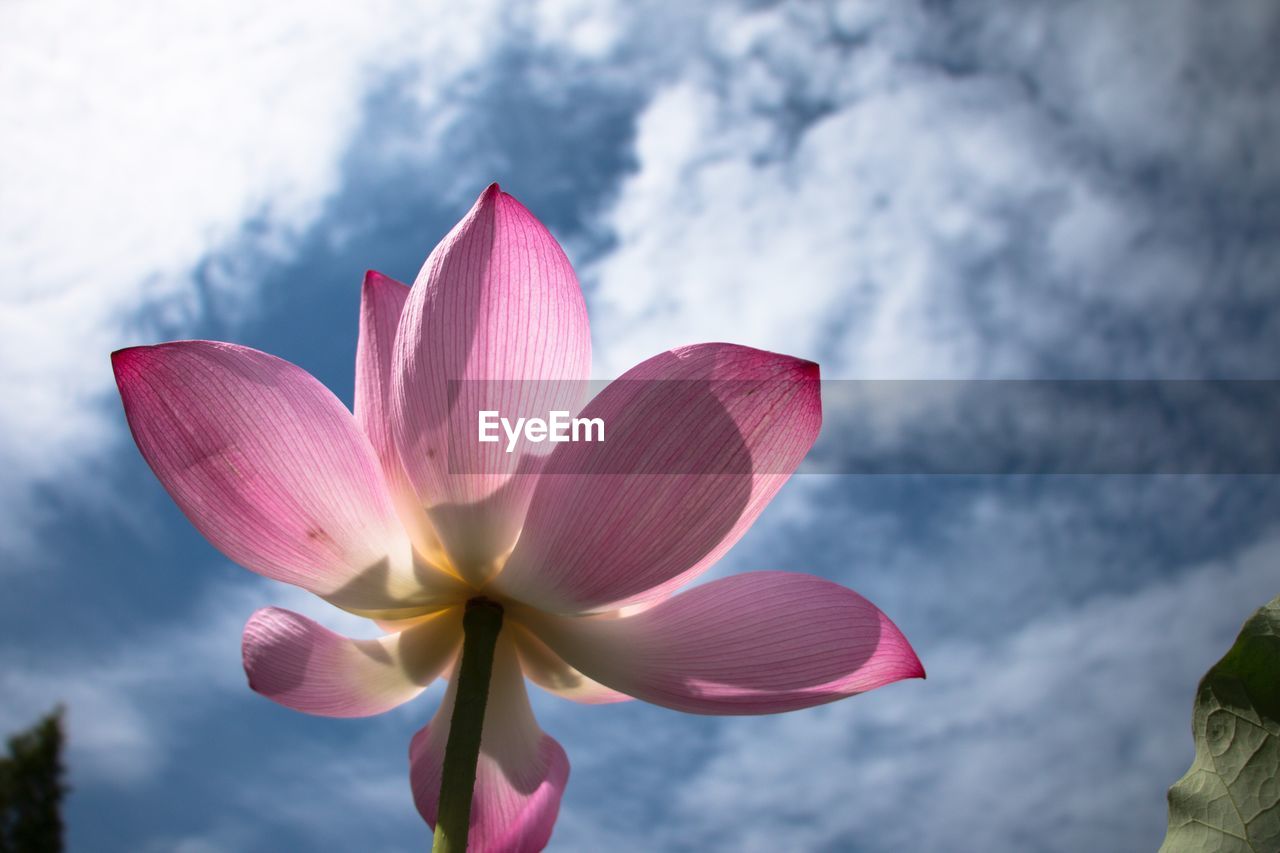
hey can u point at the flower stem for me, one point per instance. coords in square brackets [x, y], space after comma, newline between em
[481, 622]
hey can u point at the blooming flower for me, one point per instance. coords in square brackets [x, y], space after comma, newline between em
[388, 515]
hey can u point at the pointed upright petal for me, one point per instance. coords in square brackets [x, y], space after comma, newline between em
[757, 643]
[521, 774]
[273, 470]
[305, 666]
[496, 321]
[698, 440]
[381, 303]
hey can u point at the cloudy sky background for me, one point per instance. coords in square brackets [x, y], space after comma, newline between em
[898, 190]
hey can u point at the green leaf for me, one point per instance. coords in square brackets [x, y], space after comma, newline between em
[1230, 798]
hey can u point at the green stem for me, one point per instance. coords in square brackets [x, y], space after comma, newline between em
[481, 622]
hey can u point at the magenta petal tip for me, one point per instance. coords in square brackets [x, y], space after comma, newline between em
[916, 671]
[489, 197]
[373, 278]
[123, 355]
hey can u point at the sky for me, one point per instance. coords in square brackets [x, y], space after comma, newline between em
[899, 190]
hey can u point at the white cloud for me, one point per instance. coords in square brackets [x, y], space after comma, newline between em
[895, 199]
[589, 29]
[139, 141]
[1064, 732]
[1152, 80]
[902, 195]
[157, 159]
[352, 794]
[128, 700]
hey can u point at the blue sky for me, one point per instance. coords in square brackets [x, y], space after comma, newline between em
[898, 190]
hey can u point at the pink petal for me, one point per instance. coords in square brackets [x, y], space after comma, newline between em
[273, 470]
[495, 321]
[521, 774]
[698, 440]
[549, 671]
[304, 666]
[381, 302]
[757, 643]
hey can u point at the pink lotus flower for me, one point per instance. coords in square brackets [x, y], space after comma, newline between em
[386, 514]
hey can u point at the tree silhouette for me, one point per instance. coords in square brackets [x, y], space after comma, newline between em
[31, 789]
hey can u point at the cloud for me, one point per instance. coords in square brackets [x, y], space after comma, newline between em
[131, 698]
[902, 190]
[341, 793]
[896, 189]
[161, 164]
[159, 713]
[1060, 735]
[155, 162]
[1111, 68]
